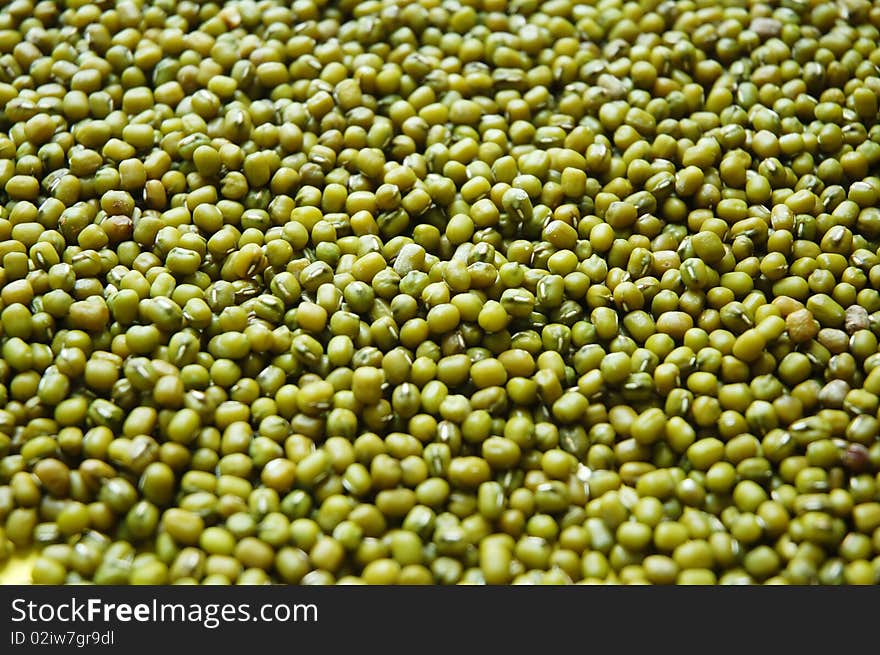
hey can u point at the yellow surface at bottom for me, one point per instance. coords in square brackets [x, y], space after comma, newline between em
[17, 569]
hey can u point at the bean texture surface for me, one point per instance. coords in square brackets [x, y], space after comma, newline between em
[440, 291]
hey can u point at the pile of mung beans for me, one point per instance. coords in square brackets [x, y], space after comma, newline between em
[440, 291]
